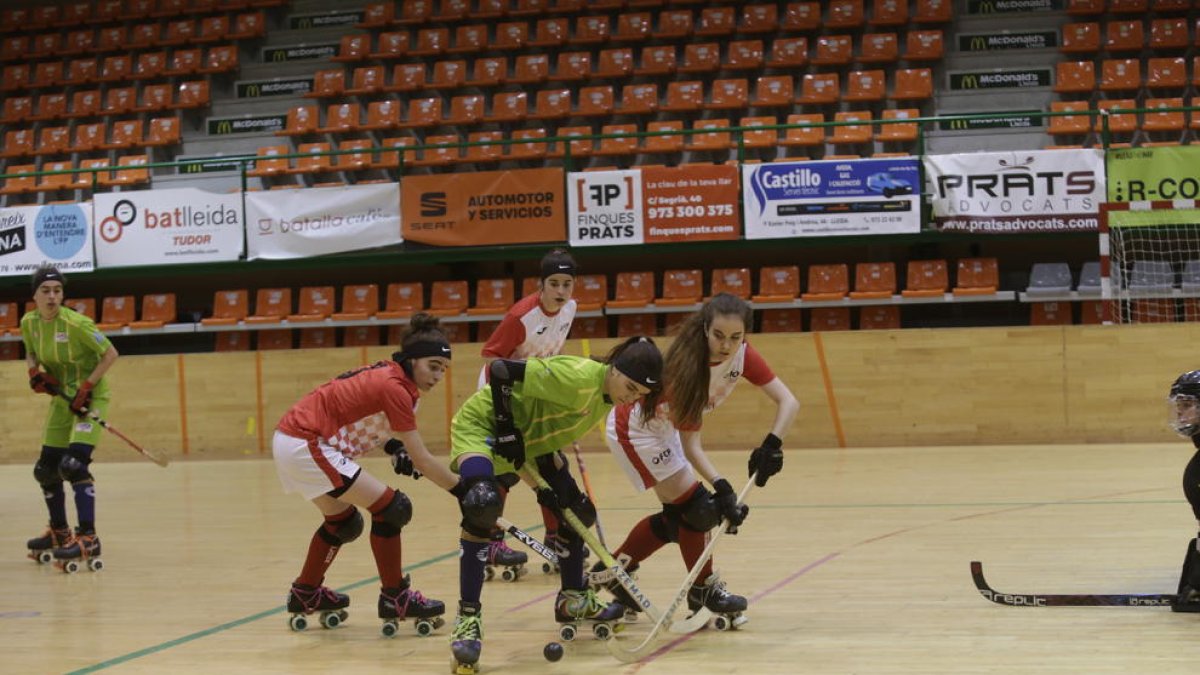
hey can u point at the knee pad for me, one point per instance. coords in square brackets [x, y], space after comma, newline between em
[508, 480]
[343, 531]
[665, 525]
[72, 470]
[481, 505]
[389, 520]
[700, 512]
[46, 475]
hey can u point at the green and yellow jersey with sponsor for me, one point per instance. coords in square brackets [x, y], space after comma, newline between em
[68, 347]
[560, 400]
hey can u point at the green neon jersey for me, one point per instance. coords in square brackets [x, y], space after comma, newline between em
[69, 347]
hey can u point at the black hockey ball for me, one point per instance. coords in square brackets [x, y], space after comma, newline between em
[553, 651]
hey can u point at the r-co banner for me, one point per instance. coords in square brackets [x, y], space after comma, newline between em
[318, 221]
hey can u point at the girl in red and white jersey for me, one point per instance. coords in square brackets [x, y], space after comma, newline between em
[316, 444]
[537, 325]
[661, 449]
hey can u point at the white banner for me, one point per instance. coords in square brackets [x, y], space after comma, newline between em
[319, 221]
[1022, 191]
[604, 208]
[829, 198]
[167, 227]
[58, 235]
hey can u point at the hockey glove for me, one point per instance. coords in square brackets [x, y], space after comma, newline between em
[509, 444]
[83, 399]
[727, 501]
[766, 459]
[402, 464]
[569, 497]
[43, 382]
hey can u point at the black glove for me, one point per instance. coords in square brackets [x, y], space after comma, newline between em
[402, 464]
[766, 459]
[509, 444]
[727, 501]
[569, 497]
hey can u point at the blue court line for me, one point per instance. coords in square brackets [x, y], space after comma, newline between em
[235, 623]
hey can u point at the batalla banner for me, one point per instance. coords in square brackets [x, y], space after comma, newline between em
[654, 205]
[58, 235]
[484, 208]
[318, 221]
[167, 227]
[1023, 191]
[828, 198]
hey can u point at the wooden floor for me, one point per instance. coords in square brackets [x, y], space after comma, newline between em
[855, 561]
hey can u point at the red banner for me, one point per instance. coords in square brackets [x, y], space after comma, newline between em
[697, 202]
[484, 208]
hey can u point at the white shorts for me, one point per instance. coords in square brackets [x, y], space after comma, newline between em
[648, 453]
[310, 467]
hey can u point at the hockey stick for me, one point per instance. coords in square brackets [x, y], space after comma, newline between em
[590, 539]
[156, 456]
[1078, 600]
[587, 486]
[525, 538]
[640, 650]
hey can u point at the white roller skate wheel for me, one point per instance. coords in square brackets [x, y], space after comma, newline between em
[602, 631]
[388, 629]
[330, 620]
[297, 622]
[44, 557]
[424, 628]
[567, 632]
[71, 567]
[548, 568]
[722, 623]
[508, 574]
[95, 564]
[488, 573]
[740, 620]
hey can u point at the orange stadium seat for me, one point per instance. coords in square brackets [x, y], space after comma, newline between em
[833, 50]
[1123, 36]
[801, 17]
[17, 185]
[550, 32]
[879, 48]
[926, 278]
[629, 325]
[530, 69]
[781, 320]
[667, 143]
[116, 312]
[572, 67]
[777, 284]
[391, 45]
[1075, 77]
[55, 182]
[448, 298]
[403, 299]
[825, 319]
[512, 35]
[977, 276]
[360, 336]
[827, 282]
[590, 30]
[879, 317]
[271, 305]
[85, 306]
[359, 302]
[1167, 34]
[819, 89]
[765, 138]
[1166, 73]
[804, 135]
[674, 24]
[1081, 38]
[1120, 75]
[734, 281]
[591, 292]
[889, 13]
[614, 63]
[874, 281]
[267, 340]
[469, 39]
[591, 327]
[729, 95]
[681, 287]
[318, 338]
[700, 58]
[268, 164]
[634, 289]
[158, 309]
[758, 18]
[529, 150]
[924, 45]
[488, 72]
[1050, 314]
[492, 296]
[316, 304]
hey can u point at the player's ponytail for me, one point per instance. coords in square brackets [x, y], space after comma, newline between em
[687, 359]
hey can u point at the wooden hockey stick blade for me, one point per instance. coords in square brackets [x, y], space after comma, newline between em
[1068, 600]
[646, 646]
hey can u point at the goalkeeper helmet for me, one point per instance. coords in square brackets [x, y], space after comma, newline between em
[1184, 404]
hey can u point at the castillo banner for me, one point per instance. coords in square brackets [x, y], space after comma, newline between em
[167, 227]
[653, 205]
[58, 235]
[484, 208]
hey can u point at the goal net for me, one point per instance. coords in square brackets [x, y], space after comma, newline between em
[1150, 261]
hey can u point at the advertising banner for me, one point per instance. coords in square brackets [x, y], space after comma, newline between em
[805, 199]
[484, 208]
[167, 227]
[58, 235]
[318, 221]
[1024, 191]
[653, 205]
[1150, 174]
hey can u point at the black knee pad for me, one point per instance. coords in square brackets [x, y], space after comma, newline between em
[343, 531]
[72, 470]
[392, 518]
[700, 512]
[46, 475]
[665, 525]
[508, 480]
[481, 505]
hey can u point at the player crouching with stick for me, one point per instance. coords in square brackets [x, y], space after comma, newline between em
[73, 357]
[315, 447]
[529, 410]
[1184, 411]
[658, 448]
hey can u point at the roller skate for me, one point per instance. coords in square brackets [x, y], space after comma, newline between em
[405, 602]
[552, 542]
[81, 549]
[510, 563]
[303, 600]
[599, 577]
[1189, 581]
[466, 640]
[41, 549]
[573, 607]
[712, 596]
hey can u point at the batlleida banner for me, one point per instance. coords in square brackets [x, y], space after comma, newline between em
[318, 221]
[653, 205]
[484, 208]
[1152, 174]
[1024, 191]
[167, 227]
[58, 235]
[830, 198]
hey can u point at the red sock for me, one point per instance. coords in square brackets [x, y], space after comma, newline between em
[549, 519]
[691, 545]
[320, 552]
[641, 542]
[386, 545]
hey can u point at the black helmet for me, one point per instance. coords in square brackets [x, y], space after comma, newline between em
[1185, 387]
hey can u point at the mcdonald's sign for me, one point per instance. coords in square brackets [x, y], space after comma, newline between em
[1014, 6]
[303, 52]
[1017, 119]
[325, 19]
[275, 87]
[1000, 79]
[989, 42]
[224, 126]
